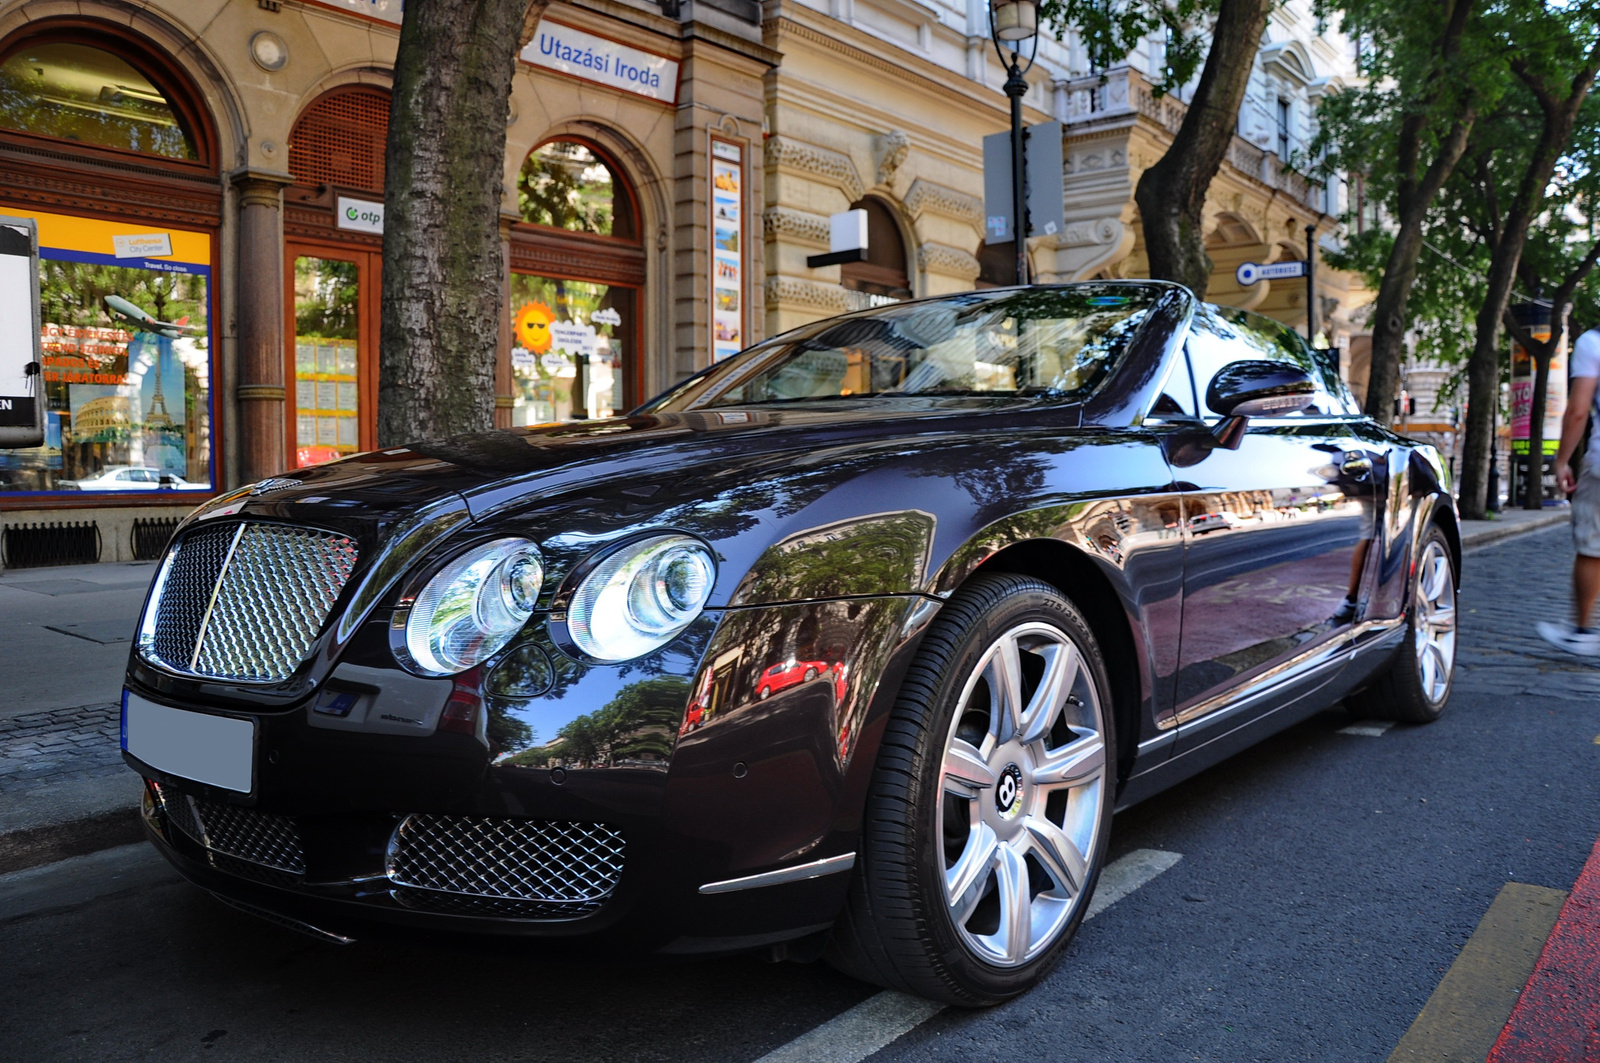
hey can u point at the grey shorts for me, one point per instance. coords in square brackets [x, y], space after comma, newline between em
[1586, 513]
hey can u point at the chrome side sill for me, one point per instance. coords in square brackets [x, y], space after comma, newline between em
[816, 869]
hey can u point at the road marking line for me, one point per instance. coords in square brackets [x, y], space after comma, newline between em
[1558, 1013]
[880, 1019]
[1472, 1001]
[1367, 730]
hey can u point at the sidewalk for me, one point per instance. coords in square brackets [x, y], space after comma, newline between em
[64, 789]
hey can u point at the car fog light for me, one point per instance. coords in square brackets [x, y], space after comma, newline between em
[473, 606]
[640, 597]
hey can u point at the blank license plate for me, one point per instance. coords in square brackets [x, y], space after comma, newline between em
[216, 750]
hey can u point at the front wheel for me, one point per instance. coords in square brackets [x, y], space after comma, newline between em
[1416, 686]
[990, 806]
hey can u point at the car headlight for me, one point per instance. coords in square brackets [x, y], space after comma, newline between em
[472, 606]
[640, 597]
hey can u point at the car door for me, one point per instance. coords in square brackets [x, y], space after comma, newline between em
[1278, 539]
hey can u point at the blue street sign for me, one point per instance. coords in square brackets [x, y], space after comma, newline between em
[1250, 272]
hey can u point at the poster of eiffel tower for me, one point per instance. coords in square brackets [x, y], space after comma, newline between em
[156, 418]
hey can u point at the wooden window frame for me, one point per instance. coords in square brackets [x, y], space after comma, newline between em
[368, 324]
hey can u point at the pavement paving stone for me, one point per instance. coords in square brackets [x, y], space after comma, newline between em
[63, 745]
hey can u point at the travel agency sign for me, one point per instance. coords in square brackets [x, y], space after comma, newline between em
[593, 58]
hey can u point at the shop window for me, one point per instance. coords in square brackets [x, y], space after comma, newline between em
[88, 95]
[884, 273]
[339, 140]
[564, 184]
[126, 362]
[572, 346]
[327, 334]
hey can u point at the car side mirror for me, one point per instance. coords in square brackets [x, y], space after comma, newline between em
[1256, 389]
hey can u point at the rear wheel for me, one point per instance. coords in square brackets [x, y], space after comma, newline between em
[1417, 685]
[990, 806]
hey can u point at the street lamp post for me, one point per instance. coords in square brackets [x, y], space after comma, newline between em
[1011, 22]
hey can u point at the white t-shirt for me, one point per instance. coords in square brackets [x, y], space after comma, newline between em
[1586, 362]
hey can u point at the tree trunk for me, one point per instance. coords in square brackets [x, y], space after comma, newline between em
[1172, 194]
[1400, 272]
[445, 162]
[1483, 368]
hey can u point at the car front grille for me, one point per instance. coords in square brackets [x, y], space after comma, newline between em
[245, 601]
[237, 835]
[566, 869]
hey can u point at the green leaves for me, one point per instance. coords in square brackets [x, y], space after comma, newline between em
[1109, 31]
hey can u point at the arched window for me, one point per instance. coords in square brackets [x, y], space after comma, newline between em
[566, 184]
[884, 272]
[577, 270]
[339, 140]
[92, 88]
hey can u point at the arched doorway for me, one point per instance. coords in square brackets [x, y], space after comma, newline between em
[333, 253]
[884, 276]
[105, 144]
[577, 273]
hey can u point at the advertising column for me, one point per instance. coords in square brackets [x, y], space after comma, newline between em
[727, 246]
[1535, 317]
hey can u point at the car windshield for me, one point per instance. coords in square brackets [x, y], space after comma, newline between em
[1058, 342]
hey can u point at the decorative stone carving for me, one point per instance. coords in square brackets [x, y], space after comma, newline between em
[821, 164]
[826, 297]
[1089, 233]
[892, 147]
[925, 197]
[785, 223]
[951, 261]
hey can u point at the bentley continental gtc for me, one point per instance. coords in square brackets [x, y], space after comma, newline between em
[848, 646]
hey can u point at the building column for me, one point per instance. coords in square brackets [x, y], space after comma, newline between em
[504, 389]
[259, 432]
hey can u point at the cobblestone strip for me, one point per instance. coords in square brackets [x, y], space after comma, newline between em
[40, 748]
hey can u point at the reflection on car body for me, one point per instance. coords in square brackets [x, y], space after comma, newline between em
[875, 624]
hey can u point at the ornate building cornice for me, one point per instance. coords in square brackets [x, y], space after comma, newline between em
[951, 261]
[784, 223]
[783, 291]
[819, 164]
[925, 197]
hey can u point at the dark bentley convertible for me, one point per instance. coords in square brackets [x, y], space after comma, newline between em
[849, 645]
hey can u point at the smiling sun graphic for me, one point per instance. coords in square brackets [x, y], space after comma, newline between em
[533, 327]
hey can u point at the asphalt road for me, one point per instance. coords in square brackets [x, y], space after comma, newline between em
[1327, 880]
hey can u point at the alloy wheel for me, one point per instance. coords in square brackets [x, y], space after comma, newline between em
[1022, 782]
[1434, 623]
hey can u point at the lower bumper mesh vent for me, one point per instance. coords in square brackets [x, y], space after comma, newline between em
[235, 836]
[480, 865]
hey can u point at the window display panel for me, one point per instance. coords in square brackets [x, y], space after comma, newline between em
[88, 95]
[126, 341]
[327, 301]
[564, 331]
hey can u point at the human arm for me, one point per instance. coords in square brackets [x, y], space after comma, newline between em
[1580, 400]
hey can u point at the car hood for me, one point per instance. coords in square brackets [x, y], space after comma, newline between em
[513, 468]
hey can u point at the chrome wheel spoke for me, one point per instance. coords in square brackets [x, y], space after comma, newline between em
[964, 882]
[965, 769]
[1074, 764]
[1015, 933]
[1060, 674]
[1005, 687]
[1059, 855]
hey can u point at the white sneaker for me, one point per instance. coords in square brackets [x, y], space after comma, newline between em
[1566, 637]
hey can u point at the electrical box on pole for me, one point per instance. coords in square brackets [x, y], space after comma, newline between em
[21, 397]
[1042, 166]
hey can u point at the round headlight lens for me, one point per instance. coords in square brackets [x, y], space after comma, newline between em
[473, 606]
[640, 597]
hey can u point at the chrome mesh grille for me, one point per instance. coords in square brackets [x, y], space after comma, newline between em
[574, 865]
[247, 601]
[258, 838]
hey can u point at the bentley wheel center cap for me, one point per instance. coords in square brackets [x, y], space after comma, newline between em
[1008, 791]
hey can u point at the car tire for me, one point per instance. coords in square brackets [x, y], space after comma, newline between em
[811, 673]
[764, 693]
[940, 788]
[1416, 686]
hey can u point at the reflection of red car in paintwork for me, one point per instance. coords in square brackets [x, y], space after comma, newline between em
[695, 717]
[787, 674]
